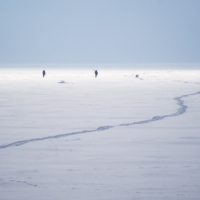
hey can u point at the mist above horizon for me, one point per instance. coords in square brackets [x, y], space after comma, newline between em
[113, 67]
[112, 31]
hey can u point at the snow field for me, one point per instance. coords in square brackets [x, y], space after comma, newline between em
[155, 160]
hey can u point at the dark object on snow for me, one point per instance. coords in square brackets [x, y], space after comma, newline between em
[137, 75]
[44, 73]
[96, 73]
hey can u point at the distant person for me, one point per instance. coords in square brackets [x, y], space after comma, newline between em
[44, 73]
[96, 73]
[137, 75]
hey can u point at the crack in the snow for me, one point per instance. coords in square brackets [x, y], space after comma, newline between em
[180, 111]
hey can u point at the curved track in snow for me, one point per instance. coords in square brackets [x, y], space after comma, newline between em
[180, 111]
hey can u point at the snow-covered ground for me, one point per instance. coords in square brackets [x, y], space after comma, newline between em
[72, 136]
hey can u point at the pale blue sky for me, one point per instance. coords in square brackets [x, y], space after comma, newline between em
[100, 31]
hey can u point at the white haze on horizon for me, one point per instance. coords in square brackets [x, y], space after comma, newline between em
[115, 66]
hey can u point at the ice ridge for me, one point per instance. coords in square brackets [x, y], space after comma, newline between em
[180, 111]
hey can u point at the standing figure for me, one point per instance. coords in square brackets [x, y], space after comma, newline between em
[44, 73]
[96, 73]
[137, 75]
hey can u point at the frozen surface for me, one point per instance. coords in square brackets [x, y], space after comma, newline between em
[73, 136]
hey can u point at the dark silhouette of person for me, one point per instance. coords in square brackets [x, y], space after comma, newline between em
[96, 73]
[44, 73]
